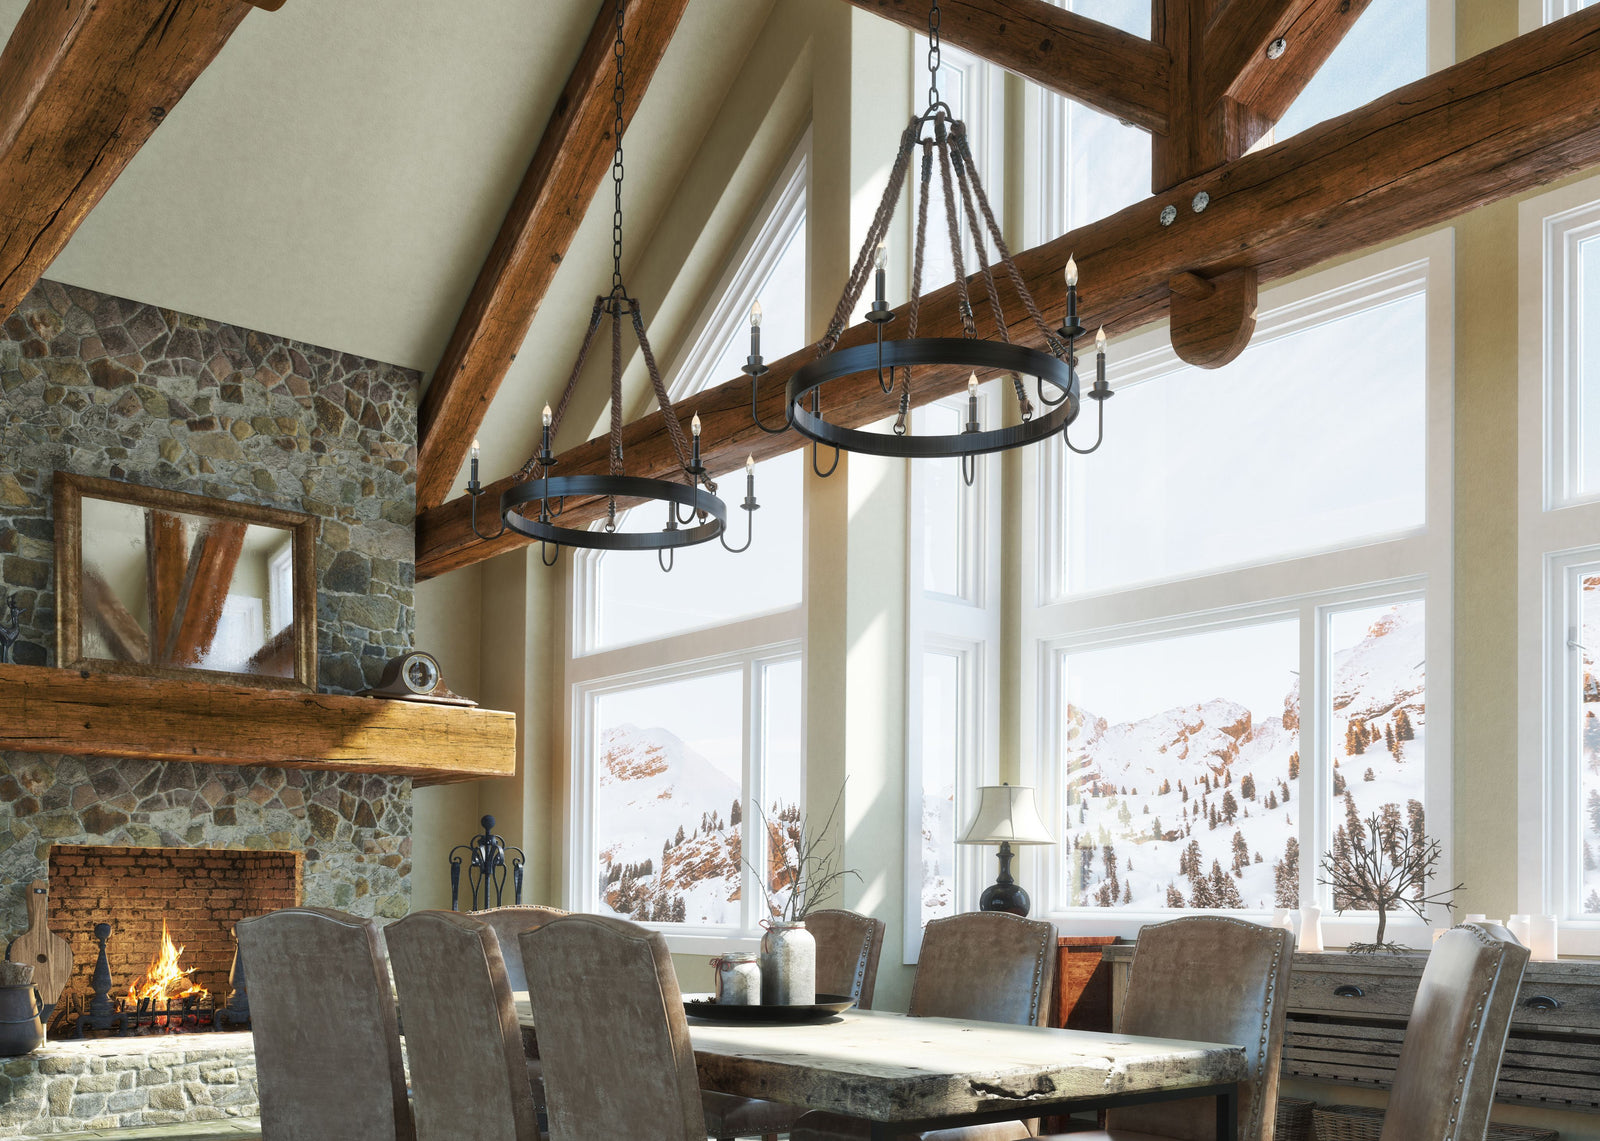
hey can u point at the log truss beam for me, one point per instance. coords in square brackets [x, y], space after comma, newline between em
[572, 159]
[1501, 123]
[83, 83]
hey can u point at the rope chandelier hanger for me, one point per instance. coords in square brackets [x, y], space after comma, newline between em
[943, 138]
[694, 512]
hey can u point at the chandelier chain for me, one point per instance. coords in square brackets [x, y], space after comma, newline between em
[669, 415]
[953, 227]
[934, 60]
[619, 50]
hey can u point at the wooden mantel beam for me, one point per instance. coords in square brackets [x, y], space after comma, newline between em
[1083, 59]
[83, 83]
[572, 159]
[1512, 119]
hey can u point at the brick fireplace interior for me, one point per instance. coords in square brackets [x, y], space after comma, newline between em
[200, 893]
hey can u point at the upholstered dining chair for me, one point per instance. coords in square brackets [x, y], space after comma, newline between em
[469, 1075]
[1207, 979]
[848, 947]
[508, 923]
[322, 1017]
[1450, 1059]
[989, 966]
[612, 1032]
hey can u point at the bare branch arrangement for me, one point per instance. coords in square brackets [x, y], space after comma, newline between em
[807, 862]
[1391, 872]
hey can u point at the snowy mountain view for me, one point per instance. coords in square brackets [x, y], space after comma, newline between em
[670, 830]
[1195, 803]
[1589, 775]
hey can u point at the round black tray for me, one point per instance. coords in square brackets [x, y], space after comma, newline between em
[826, 1006]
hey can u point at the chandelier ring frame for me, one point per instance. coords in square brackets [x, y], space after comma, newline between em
[957, 351]
[698, 499]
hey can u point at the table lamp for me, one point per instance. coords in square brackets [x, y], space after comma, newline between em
[1007, 814]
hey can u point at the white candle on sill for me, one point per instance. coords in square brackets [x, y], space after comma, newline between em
[1311, 929]
[1520, 927]
[1543, 941]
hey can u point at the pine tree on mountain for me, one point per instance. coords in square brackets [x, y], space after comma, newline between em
[1230, 806]
[1341, 856]
[666, 846]
[1184, 789]
[1369, 775]
[1389, 829]
[1256, 859]
[1588, 857]
[1353, 825]
[1105, 897]
[1174, 896]
[1594, 809]
[680, 913]
[1127, 893]
[1416, 820]
[1272, 800]
[1241, 852]
[1402, 726]
[1166, 787]
[1388, 736]
[1592, 904]
[1108, 857]
[1338, 783]
[736, 813]
[1211, 820]
[1286, 876]
[1223, 889]
[1227, 777]
[679, 838]
[1247, 786]
[1354, 739]
[1294, 765]
[1200, 893]
[1189, 859]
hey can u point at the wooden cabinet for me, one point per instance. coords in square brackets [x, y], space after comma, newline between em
[1347, 1019]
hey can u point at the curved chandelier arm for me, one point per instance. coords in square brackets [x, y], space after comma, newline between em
[1072, 370]
[969, 468]
[1100, 433]
[816, 410]
[549, 560]
[666, 559]
[475, 531]
[750, 507]
[756, 416]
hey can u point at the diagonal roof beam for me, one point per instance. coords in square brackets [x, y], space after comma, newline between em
[1238, 63]
[1512, 119]
[572, 159]
[1083, 59]
[83, 83]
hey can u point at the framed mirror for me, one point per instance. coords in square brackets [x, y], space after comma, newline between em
[166, 584]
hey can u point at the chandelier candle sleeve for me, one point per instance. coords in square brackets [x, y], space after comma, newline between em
[755, 330]
[882, 273]
[972, 403]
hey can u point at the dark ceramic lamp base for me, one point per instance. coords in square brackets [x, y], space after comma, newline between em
[1005, 894]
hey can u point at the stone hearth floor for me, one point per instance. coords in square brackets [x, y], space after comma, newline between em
[242, 1129]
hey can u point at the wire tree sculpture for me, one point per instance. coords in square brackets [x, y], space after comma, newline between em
[802, 860]
[1381, 867]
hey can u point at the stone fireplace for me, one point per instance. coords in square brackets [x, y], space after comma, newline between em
[195, 894]
[108, 387]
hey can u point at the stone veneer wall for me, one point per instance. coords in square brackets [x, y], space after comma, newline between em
[108, 387]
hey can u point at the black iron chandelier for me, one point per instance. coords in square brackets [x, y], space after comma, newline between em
[943, 139]
[694, 512]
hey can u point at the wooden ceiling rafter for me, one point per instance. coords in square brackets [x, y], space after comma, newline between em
[1093, 63]
[572, 160]
[83, 84]
[1507, 121]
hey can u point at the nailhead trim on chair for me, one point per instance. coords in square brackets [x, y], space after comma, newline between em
[1252, 1126]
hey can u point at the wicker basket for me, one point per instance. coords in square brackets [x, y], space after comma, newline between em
[1363, 1123]
[1294, 1119]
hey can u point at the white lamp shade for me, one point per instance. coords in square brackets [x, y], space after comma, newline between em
[1007, 812]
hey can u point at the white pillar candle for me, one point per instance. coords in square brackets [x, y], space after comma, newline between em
[1543, 943]
[1311, 929]
[1520, 927]
[1475, 919]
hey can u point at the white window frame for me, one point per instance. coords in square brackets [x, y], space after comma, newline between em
[280, 585]
[752, 642]
[969, 626]
[1310, 585]
[1536, 13]
[1555, 534]
[582, 893]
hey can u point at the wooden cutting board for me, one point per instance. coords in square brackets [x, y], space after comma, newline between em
[50, 954]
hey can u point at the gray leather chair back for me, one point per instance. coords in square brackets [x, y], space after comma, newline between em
[510, 922]
[1444, 1082]
[986, 965]
[323, 1020]
[612, 1032]
[469, 1077]
[1210, 979]
[848, 946]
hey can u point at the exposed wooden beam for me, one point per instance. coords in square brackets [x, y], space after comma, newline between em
[125, 639]
[205, 590]
[1211, 326]
[1083, 59]
[1238, 60]
[1514, 118]
[166, 544]
[572, 159]
[83, 83]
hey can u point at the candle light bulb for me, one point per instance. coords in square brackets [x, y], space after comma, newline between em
[1100, 340]
[972, 385]
[547, 416]
[882, 261]
[755, 314]
[1072, 271]
[749, 464]
[694, 425]
[474, 449]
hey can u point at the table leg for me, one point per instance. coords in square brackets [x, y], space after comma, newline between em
[1228, 1114]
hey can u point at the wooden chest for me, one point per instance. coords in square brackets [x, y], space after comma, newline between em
[1347, 1018]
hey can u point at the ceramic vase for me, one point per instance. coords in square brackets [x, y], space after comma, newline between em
[788, 965]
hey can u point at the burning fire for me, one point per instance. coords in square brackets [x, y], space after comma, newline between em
[165, 979]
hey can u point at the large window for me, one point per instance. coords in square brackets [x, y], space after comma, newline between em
[687, 719]
[1236, 603]
[1559, 562]
[1387, 48]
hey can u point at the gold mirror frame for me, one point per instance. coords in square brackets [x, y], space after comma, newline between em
[71, 490]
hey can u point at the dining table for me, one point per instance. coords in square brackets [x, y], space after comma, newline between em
[898, 1074]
